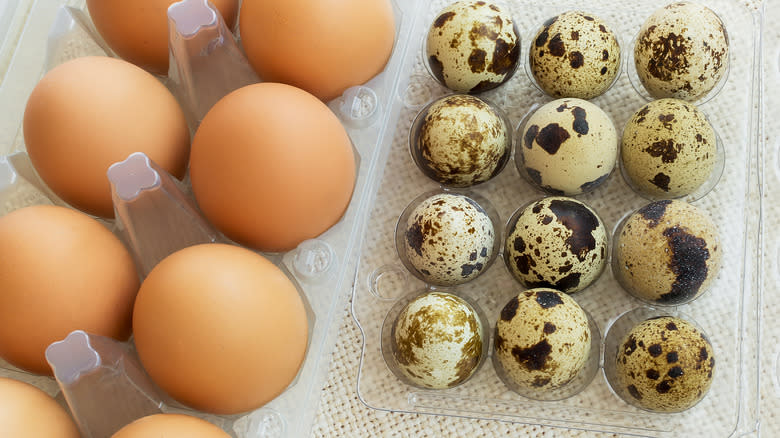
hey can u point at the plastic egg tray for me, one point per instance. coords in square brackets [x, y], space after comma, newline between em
[54, 31]
[726, 312]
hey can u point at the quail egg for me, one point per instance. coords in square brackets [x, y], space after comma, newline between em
[556, 242]
[461, 141]
[667, 252]
[542, 340]
[681, 51]
[448, 239]
[472, 46]
[575, 54]
[669, 149]
[569, 146]
[664, 364]
[437, 340]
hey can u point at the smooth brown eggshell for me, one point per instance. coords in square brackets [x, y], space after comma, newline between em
[29, 412]
[62, 271]
[92, 112]
[272, 166]
[323, 47]
[170, 426]
[137, 30]
[220, 328]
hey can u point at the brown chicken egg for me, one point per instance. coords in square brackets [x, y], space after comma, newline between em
[272, 166]
[220, 328]
[29, 412]
[91, 112]
[62, 271]
[137, 30]
[170, 426]
[323, 47]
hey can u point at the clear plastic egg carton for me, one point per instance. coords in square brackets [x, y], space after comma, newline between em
[54, 31]
[727, 312]
[769, 262]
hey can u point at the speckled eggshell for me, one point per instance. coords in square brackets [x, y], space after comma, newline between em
[462, 141]
[569, 146]
[558, 243]
[681, 51]
[472, 46]
[665, 364]
[667, 252]
[449, 239]
[575, 54]
[437, 340]
[669, 149]
[542, 339]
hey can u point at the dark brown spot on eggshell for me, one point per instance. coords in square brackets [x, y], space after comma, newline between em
[551, 137]
[523, 263]
[580, 221]
[442, 19]
[655, 350]
[556, 46]
[667, 150]
[549, 328]
[634, 392]
[415, 238]
[540, 381]
[580, 124]
[654, 211]
[652, 374]
[542, 38]
[669, 55]
[675, 372]
[576, 60]
[671, 326]
[661, 180]
[672, 357]
[510, 309]
[548, 299]
[534, 357]
[530, 136]
[688, 263]
[663, 387]
[476, 60]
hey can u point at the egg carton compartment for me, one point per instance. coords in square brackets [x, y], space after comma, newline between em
[323, 268]
[727, 312]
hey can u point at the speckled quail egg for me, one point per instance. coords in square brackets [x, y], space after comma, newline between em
[681, 51]
[569, 146]
[461, 141]
[472, 46]
[556, 242]
[667, 252]
[437, 340]
[575, 54]
[668, 150]
[448, 239]
[542, 340]
[664, 364]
